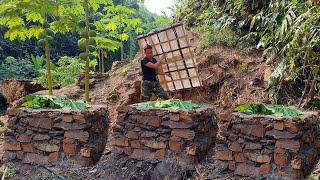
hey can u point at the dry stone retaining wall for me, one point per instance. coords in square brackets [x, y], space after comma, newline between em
[57, 137]
[164, 134]
[267, 146]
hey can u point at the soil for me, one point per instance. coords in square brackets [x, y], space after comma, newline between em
[229, 78]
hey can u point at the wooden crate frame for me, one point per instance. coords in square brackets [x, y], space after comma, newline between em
[180, 61]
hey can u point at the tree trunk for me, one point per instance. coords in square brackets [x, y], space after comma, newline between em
[130, 46]
[102, 61]
[122, 51]
[49, 68]
[86, 8]
[99, 62]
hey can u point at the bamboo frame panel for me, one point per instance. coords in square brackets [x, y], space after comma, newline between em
[180, 61]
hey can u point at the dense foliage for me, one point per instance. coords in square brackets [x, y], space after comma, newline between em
[21, 69]
[287, 30]
[64, 73]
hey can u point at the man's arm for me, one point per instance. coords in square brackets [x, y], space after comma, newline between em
[155, 65]
[160, 72]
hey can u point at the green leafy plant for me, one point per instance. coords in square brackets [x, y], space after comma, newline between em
[275, 110]
[53, 102]
[171, 104]
[63, 74]
[21, 69]
[38, 62]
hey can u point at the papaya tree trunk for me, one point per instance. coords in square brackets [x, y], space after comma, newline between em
[49, 68]
[102, 61]
[122, 51]
[99, 62]
[130, 46]
[86, 8]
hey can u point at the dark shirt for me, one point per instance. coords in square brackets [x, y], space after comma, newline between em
[148, 74]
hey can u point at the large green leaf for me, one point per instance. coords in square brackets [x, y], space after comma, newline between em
[171, 103]
[53, 102]
[275, 110]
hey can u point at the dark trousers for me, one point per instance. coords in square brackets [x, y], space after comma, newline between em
[149, 87]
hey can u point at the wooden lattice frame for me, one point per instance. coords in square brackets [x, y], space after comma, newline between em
[180, 61]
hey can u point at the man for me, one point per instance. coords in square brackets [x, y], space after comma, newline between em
[150, 69]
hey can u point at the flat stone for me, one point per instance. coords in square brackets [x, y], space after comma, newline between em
[148, 134]
[40, 137]
[153, 144]
[265, 168]
[259, 158]
[186, 117]
[236, 147]
[239, 157]
[183, 133]
[154, 121]
[224, 155]
[282, 134]
[46, 123]
[189, 159]
[67, 118]
[279, 125]
[254, 130]
[141, 154]
[77, 134]
[71, 126]
[281, 159]
[80, 118]
[13, 112]
[180, 125]
[175, 117]
[47, 147]
[120, 142]
[132, 135]
[70, 148]
[27, 147]
[135, 144]
[293, 145]
[176, 146]
[245, 169]
[253, 146]
[165, 131]
[160, 154]
[53, 157]
[24, 138]
[56, 133]
[292, 127]
[12, 145]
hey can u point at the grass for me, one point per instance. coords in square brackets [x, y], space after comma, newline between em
[211, 36]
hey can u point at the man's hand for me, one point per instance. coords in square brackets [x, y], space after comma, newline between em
[163, 56]
[167, 74]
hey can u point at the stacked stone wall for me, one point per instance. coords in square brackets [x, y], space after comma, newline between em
[56, 137]
[165, 134]
[268, 146]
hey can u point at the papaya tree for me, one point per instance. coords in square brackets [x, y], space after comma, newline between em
[28, 19]
[119, 21]
[79, 11]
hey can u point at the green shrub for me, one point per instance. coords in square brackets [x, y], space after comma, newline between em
[225, 36]
[64, 74]
[18, 69]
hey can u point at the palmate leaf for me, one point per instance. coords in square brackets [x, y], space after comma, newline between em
[275, 110]
[53, 102]
[171, 104]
